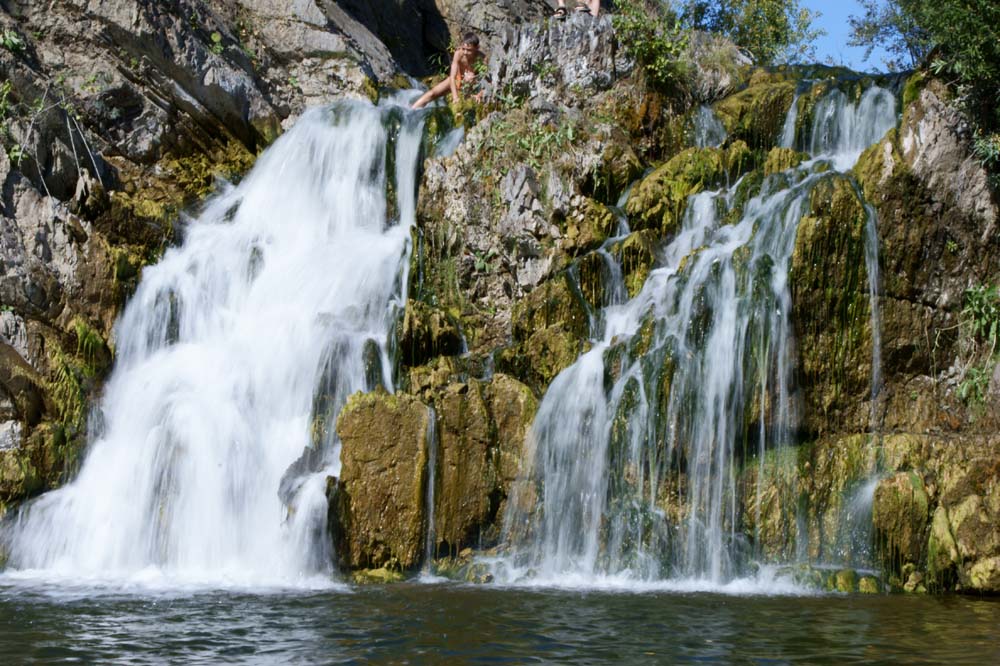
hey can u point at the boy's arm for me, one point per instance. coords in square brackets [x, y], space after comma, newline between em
[453, 78]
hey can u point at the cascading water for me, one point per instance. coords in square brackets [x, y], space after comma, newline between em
[636, 458]
[236, 345]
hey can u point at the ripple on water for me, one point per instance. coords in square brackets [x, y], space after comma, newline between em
[418, 623]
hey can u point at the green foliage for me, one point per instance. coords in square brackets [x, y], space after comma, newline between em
[11, 41]
[67, 390]
[773, 31]
[981, 313]
[980, 318]
[890, 25]
[973, 387]
[89, 343]
[216, 46]
[655, 38]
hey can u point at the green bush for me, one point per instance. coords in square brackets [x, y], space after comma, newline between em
[653, 35]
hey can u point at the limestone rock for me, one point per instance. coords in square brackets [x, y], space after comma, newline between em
[900, 516]
[377, 510]
[935, 141]
[426, 332]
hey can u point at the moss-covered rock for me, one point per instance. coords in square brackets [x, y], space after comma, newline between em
[831, 306]
[587, 227]
[658, 202]
[637, 254]
[900, 516]
[782, 159]
[481, 431]
[377, 509]
[757, 114]
[379, 576]
[869, 585]
[553, 303]
[425, 332]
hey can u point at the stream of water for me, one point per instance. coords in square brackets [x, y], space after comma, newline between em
[209, 456]
[637, 477]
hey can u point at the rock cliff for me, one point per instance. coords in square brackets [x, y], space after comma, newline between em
[118, 117]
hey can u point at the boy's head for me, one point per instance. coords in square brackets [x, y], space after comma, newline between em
[470, 42]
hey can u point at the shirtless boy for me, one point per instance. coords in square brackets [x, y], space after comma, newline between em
[462, 72]
[592, 7]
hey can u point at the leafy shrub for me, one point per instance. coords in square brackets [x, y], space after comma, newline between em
[653, 35]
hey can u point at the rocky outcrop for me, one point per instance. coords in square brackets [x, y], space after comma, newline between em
[469, 445]
[377, 505]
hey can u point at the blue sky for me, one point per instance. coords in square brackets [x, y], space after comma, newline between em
[834, 43]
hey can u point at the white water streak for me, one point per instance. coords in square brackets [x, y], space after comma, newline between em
[220, 352]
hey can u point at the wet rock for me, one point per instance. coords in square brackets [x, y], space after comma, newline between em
[900, 517]
[426, 332]
[831, 311]
[482, 428]
[378, 511]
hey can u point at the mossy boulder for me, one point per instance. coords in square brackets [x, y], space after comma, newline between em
[869, 585]
[658, 202]
[377, 506]
[900, 517]
[425, 332]
[845, 580]
[757, 114]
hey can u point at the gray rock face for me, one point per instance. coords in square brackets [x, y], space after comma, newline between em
[559, 62]
[935, 141]
[10, 433]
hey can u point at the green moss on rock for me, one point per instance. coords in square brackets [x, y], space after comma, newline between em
[757, 114]
[377, 509]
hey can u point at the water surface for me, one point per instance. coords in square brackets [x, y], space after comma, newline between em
[431, 624]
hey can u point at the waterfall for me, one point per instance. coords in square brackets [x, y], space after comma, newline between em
[432, 462]
[637, 442]
[707, 130]
[212, 452]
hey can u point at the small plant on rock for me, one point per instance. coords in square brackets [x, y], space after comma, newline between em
[11, 41]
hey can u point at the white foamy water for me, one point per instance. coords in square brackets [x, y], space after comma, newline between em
[670, 384]
[277, 306]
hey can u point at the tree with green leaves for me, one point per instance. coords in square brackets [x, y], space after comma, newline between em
[891, 25]
[773, 31]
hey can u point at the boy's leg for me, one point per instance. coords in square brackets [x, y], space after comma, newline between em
[439, 90]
